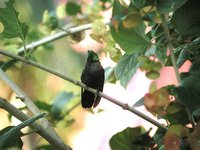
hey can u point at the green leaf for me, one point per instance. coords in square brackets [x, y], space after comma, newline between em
[13, 134]
[59, 104]
[175, 129]
[139, 103]
[72, 8]
[186, 19]
[126, 68]
[188, 92]
[117, 9]
[159, 136]
[43, 106]
[166, 6]
[195, 67]
[45, 147]
[196, 115]
[183, 56]
[14, 141]
[109, 75]
[161, 54]
[162, 147]
[12, 26]
[138, 3]
[131, 40]
[50, 20]
[188, 52]
[169, 61]
[5, 66]
[175, 113]
[124, 140]
[145, 140]
[2, 63]
[2, 3]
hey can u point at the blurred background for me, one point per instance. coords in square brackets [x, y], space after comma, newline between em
[79, 128]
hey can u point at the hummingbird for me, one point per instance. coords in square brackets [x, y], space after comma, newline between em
[92, 76]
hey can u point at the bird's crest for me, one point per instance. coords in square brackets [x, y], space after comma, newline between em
[93, 56]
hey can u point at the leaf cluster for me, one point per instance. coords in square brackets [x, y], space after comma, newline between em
[145, 39]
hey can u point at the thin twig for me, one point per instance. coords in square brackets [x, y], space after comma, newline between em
[170, 47]
[78, 83]
[66, 31]
[173, 59]
[45, 133]
[133, 110]
[56, 36]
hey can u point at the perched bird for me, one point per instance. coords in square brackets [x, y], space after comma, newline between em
[92, 76]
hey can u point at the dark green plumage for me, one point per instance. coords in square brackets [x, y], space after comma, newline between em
[92, 76]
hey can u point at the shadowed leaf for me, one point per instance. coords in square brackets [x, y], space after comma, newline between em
[12, 26]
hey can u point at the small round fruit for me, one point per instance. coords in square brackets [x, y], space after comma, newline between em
[152, 74]
[142, 59]
[131, 20]
[99, 28]
[1, 27]
[145, 66]
[157, 66]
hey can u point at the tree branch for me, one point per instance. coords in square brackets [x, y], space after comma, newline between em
[56, 36]
[44, 132]
[20, 94]
[123, 105]
[29, 103]
[12, 132]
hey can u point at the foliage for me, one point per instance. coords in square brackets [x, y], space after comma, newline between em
[11, 142]
[60, 109]
[132, 138]
[12, 26]
[11, 136]
[136, 38]
[125, 68]
[180, 24]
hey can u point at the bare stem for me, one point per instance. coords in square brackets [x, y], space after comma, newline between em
[78, 83]
[56, 36]
[173, 59]
[170, 47]
[45, 133]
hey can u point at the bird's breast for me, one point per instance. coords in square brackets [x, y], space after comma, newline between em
[95, 69]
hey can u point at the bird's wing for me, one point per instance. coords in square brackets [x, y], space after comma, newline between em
[83, 76]
[100, 89]
[82, 79]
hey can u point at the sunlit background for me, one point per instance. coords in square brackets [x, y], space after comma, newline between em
[89, 131]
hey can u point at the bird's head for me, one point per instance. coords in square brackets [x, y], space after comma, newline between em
[92, 56]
